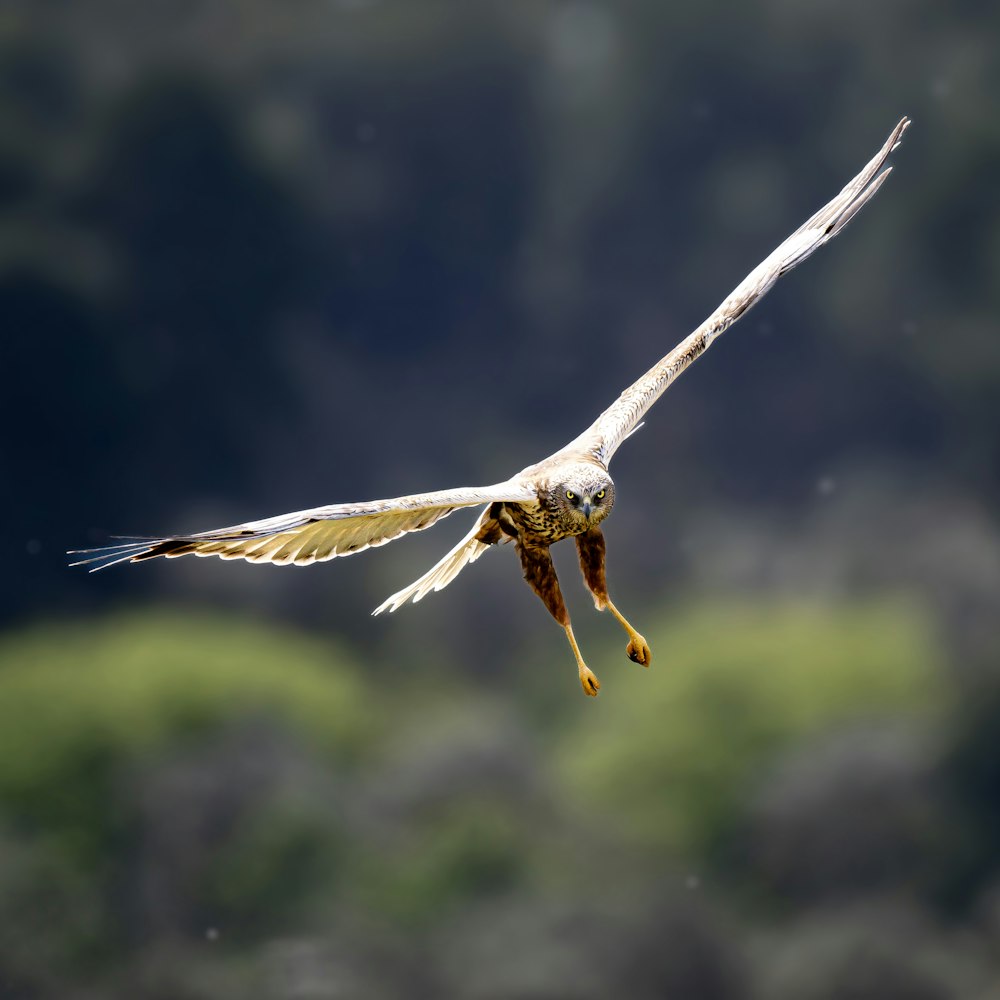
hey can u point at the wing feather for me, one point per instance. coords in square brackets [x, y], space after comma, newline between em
[603, 437]
[468, 550]
[314, 535]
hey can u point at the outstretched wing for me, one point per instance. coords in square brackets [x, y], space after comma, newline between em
[309, 536]
[603, 437]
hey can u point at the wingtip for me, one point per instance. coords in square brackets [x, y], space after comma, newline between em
[95, 563]
[106, 556]
[896, 137]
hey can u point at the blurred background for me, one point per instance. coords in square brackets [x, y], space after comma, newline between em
[260, 256]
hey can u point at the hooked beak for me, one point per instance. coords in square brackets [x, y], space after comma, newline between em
[586, 508]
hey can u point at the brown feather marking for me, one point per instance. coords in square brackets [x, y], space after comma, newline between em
[591, 548]
[490, 533]
[508, 529]
[169, 546]
[500, 517]
[540, 574]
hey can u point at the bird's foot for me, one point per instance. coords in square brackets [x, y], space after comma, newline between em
[638, 650]
[588, 681]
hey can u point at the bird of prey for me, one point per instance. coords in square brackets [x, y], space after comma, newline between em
[566, 495]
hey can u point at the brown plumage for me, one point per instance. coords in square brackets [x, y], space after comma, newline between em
[590, 548]
[566, 495]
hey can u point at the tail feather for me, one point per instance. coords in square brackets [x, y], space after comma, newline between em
[468, 550]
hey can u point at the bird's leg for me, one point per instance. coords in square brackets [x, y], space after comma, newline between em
[637, 649]
[588, 679]
[590, 546]
[536, 561]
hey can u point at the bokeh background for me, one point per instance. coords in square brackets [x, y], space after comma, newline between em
[259, 256]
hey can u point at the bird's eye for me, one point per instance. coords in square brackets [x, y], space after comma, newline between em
[600, 494]
[570, 495]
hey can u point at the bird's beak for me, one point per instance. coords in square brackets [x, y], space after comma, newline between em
[586, 508]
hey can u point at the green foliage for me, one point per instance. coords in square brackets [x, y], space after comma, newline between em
[49, 910]
[79, 702]
[669, 755]
[221, 786]
[274, 861]
[476, 848]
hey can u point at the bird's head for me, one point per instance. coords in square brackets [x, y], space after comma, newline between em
[585, 496]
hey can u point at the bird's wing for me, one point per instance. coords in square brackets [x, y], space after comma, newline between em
[603, 437]
[309, 536]
[468, 550]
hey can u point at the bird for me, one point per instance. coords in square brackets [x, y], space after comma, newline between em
[566, 495]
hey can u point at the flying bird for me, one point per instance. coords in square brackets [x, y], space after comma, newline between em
[566, 495]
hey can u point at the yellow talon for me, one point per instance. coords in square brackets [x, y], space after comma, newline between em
[638, 650]
[588, 681]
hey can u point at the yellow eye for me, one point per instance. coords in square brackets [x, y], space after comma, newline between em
[600, 494]
[570, 495]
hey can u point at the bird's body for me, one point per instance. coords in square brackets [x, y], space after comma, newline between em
[566, 495]
[554, 516]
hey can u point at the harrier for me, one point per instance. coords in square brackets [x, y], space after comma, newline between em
[566, 495]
